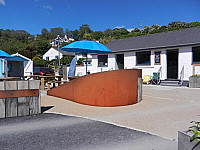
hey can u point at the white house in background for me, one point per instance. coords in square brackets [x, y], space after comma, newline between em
[174, 54]
[18, 66]
[65, 39]
[53, 53]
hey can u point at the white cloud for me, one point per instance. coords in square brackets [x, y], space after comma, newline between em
[48, 7]
[2, 2]
[119, 27]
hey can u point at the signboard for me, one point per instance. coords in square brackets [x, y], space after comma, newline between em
[197, 70]
[157, 58]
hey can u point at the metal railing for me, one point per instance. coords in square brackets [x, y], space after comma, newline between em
[159, 74]
[181, 75]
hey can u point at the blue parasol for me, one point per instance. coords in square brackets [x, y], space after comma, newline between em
[4, 54]
[86, 47]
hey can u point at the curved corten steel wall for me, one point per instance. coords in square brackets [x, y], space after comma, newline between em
[112, 88]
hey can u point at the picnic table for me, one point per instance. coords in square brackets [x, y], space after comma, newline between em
[45, 79]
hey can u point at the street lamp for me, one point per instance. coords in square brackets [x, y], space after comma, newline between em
[58, 41]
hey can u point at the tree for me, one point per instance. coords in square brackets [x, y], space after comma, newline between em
[45, 34]
[108, 32]
[56, 31]
[68, 33]
[97, 35]
[75, 34]
[84, 29]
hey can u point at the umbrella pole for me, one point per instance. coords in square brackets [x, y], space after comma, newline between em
[86, 63]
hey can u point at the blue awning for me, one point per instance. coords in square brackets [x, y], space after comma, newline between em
[16, 58]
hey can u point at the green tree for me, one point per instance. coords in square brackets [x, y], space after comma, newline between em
[56, 31]
[97, 35]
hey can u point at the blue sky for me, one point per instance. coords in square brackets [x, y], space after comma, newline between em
[33, 15]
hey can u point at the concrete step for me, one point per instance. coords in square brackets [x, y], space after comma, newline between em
[169, 83]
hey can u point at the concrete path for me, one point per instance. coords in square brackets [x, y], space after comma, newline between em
[163, 112]
[59, 132]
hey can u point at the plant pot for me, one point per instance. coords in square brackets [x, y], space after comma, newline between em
[194, 82]
[184, 141]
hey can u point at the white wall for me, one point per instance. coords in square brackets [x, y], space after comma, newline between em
[28, 68]
[185, 59]
[51, 53]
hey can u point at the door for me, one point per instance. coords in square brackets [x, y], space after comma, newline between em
[120, 61]
[172, 64]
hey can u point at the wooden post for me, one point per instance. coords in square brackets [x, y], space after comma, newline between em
[34, 102]
[65, 72]
[23, 102]
[42, 83]
[11, 103]
[2, 103]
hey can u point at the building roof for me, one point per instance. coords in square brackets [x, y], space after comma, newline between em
[184, 37]
[65, 52]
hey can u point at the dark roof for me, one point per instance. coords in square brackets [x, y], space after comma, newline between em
[65, 52]
[184, 37]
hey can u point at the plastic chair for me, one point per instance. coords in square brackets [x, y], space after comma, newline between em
[147, 79]
[156, 78]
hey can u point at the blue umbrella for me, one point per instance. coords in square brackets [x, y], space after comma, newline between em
[86, 47]
[4, 54]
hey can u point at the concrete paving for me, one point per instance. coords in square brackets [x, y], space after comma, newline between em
[57, 132]
[163, 111]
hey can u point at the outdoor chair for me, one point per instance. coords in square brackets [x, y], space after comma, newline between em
[147, 79]
[155, 78]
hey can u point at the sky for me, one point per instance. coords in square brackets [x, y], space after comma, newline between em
[34, 15]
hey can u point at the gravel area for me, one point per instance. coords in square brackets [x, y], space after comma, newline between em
[60, 132]
[163, 111]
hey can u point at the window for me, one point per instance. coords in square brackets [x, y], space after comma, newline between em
[102, 60]
[196, 55]
[157, 58]
[56, 57]
[143, 58]
[47, 58]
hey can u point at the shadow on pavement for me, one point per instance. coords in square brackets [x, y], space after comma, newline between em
[43, 109]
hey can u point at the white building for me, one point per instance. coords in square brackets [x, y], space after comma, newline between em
[175, 54]
[53, 53]
[65, 39]
[18, 66]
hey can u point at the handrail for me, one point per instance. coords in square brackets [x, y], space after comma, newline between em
[181, 75]
[160, 74]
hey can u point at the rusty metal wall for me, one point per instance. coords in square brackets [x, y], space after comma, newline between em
[112, 88]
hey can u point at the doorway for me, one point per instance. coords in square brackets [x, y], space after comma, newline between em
[172, 64]
[120, 61]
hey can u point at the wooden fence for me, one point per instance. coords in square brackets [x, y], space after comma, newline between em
[19, 98]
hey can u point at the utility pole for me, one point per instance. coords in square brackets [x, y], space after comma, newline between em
[58, 40]
[140, 25]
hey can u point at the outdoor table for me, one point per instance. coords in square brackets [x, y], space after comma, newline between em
[31, 76]
[45, 79]
[9, 78]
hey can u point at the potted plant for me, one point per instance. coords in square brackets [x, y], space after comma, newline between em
[194, 81]
[190, 140]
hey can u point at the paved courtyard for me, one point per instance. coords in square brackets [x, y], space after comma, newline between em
[163, 111]
[60, 132]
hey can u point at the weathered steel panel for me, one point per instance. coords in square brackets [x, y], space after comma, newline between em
[18, 93]
[112, 88]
